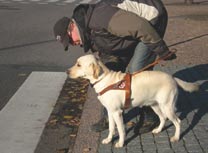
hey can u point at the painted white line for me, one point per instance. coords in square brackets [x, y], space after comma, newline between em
[23, 119]
[34, 0]
[52, 1]
[85, 1]
[17, 0]
[68, 1]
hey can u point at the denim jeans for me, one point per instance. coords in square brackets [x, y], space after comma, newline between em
[142, 57]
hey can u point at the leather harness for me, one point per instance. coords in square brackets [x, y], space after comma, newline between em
[124, 84]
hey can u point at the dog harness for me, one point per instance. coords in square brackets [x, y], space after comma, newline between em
[124, 84]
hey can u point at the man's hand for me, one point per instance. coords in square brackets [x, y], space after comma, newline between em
[170, 56]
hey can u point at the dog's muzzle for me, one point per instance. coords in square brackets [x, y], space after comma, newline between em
[68, 72]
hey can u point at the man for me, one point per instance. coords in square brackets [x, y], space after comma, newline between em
[126, 38]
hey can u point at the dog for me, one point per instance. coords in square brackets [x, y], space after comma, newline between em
[156, 89]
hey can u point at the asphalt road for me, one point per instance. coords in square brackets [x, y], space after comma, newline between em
[27, 43]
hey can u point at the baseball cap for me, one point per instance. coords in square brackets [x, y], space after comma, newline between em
[60, 31]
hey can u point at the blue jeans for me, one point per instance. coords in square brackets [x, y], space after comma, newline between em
[142, 57]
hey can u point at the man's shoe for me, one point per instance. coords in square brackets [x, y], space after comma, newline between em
[101, 125]
[148, 121]
[145, 127]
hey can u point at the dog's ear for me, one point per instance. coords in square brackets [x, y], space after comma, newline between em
[97, 70]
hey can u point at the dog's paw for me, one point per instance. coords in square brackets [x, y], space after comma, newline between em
[118, 145]
[156, 131]
[174, 139]
[106, 141]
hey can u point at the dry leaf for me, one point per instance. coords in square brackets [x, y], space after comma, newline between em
[86, 150]
[62, 150]
[72, 135]
[130, 124]
[22, 74]
[65, 97]
[68, 117]
[53, 121]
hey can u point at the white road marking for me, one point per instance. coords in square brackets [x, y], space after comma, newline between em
[85, 1]
[23, 119]
[17, 0]
[57, 2]
[52, 1]
[69, 1]
[34, 0]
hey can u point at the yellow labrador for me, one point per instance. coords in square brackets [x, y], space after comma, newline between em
[148, 88]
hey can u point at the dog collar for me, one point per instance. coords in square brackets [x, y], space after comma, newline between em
[93, 84]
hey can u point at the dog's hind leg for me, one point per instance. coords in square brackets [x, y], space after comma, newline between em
[162, 118]
[169, 112]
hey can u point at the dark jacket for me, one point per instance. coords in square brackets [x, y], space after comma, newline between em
[152, 10]
[106, 28]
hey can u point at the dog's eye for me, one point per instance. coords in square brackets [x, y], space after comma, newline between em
[78, 65]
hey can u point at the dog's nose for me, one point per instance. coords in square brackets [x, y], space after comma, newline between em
[68, 72]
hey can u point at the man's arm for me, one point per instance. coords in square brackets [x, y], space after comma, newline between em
[124, 24]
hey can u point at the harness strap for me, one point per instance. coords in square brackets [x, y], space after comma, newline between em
[124, 84]
[128, 91]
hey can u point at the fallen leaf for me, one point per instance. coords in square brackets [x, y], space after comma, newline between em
[72, 135]
[65, 97]
[65, 150]
[22, 74]
[68, 117]
[53, 121]
[130, 124]
[86, 150]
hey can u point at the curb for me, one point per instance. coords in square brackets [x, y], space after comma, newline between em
[87, 140]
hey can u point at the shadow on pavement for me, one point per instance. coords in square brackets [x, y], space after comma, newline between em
[186, 103]
[196, 102]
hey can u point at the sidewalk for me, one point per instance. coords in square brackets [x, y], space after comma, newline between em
[187, 33]
[191, 108]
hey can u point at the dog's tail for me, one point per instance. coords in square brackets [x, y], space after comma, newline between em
[187, 86]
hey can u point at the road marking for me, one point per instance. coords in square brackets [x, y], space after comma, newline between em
[17, 0]
[85, 1]
[34, 0]
[69, 1]
[52, 1]
[23, 119]
[58, 2]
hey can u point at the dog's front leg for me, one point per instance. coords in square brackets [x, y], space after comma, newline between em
[118, 117]
[111, 129]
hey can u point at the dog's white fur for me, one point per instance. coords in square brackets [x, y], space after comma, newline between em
[149, 88]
